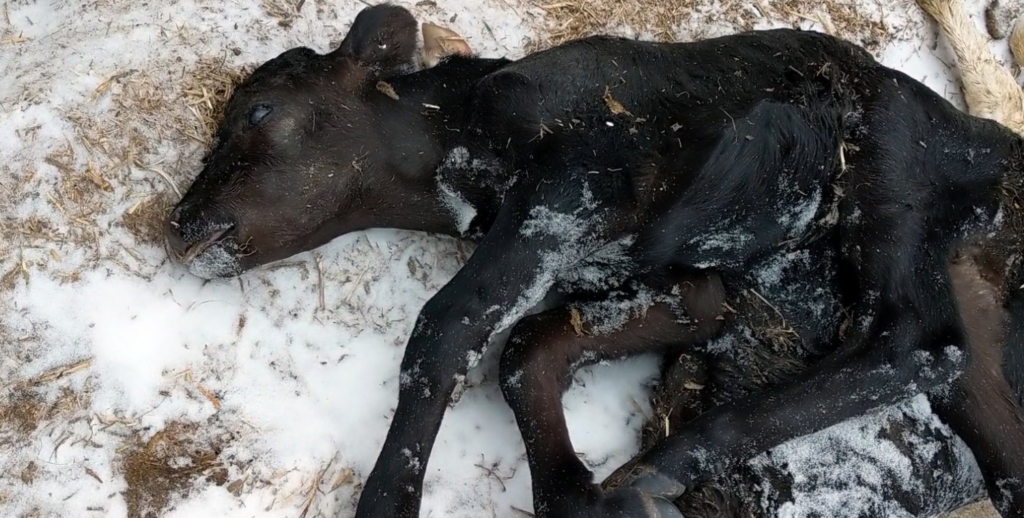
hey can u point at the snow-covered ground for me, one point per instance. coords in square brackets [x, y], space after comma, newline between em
[125, 380]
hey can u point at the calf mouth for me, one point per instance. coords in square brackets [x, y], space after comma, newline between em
[216, 255]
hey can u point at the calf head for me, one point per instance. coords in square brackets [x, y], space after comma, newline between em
[302, 153]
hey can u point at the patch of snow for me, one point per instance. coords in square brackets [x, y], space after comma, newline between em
[611, 314]
[799, 217]
[460, 209]
[723, 241]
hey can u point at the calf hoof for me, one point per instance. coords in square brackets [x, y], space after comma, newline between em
[647, 480]
[654, 483]
[637, 503]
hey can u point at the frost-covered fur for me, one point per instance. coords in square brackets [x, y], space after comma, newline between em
[899, 462]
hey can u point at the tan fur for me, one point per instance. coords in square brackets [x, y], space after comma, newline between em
[989, 89]
[439, 42]
[1017, 41]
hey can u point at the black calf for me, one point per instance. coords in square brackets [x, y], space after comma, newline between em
[607, 164]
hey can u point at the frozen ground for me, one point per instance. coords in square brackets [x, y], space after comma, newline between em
[128, 386]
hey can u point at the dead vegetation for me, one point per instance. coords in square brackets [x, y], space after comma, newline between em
[205, 91]
[145, 220]
[572, 19]
[23, 412]
[25, 409]
[285, 11]
[665, 21]
[164, 467]
[982, 509]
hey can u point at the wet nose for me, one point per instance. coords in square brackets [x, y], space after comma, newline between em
[189, 231]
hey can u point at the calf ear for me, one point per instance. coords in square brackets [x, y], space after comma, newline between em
[382, 38]
[439, 42]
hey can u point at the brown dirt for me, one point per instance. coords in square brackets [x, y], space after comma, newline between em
[164, 468]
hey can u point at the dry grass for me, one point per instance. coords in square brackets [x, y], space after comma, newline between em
[843, 18]
[572, 19]
[95, 174]
[145, 220]
[22, 412]
[285, 11]
[189, 109]
[163, 468]
[773, 328]
[25, 409]
[206, 90]
[662, 21]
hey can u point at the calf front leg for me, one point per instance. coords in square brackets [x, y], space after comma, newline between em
[545, 349]
[511, 271]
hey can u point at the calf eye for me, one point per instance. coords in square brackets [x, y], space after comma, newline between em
[382, 45]
[258, 113]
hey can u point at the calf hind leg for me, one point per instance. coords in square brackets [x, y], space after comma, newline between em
[908, 340]
[982, 406]
[546, 348]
